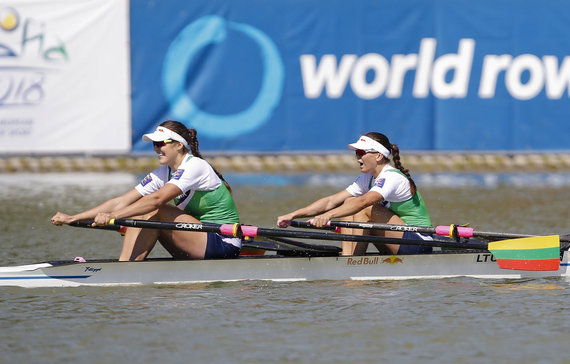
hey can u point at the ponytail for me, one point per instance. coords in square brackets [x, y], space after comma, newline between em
[193, 143]
[400, 167]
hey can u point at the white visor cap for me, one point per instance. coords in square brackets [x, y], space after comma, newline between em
[161, 133]
[369, 145]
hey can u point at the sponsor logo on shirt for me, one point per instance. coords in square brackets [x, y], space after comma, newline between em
[177, 174]
[146, 180]
[380, 182]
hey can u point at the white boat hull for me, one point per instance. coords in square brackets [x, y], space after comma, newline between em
[274, 268]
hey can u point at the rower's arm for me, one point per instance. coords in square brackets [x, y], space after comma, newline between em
[349, 207]
[107, 206]
[315, 208]
[148, 203]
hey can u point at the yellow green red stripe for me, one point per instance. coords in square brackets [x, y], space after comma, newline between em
[546, 253]
[538, 253]
[534, 242]
[525, 264]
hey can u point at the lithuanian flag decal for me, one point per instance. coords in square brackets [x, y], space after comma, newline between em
[540, 253]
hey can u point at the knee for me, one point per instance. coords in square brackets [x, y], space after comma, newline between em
[384, 215]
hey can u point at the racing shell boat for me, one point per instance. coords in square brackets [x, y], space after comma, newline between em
[290, 260]
[277, 267]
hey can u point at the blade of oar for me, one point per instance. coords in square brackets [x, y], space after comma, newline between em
[442, 230]
[539, 253]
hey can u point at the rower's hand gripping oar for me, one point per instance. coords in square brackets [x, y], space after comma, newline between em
[89, 224]
[540, 253]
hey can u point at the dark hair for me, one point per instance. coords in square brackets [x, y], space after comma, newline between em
[393, 148]
[190, 136]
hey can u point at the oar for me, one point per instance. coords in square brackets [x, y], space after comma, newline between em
[452, 231]
[539, 253]
[236, 230]
[281, 245]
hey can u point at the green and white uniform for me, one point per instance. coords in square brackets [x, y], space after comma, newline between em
[394, 186]
[204, 195]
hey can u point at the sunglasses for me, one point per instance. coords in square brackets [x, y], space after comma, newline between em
[360, 153]
[162, 143]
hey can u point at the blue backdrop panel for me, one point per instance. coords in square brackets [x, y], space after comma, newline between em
[253, 75]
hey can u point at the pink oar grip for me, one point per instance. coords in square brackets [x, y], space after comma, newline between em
[232, 230]
[464, 232]
[227, 229]
[442, 230]
[249, 230]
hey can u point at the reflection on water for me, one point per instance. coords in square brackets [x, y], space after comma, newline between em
[450, 320]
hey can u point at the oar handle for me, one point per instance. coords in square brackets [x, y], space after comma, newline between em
[89, 224]
[309, 224]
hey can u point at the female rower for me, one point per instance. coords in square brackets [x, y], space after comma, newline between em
[199, 194]
[382, 194]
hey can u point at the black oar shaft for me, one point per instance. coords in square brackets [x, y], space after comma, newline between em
[246, 230]
[442, 230]
[250, 244]
[165, 225]
[253, 231]
[369, 239]
[367, 225]
[204, 227]
[304, 246]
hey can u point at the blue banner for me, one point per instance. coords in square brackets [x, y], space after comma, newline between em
[282, 76]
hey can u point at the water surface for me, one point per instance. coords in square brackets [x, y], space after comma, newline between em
[459, 320]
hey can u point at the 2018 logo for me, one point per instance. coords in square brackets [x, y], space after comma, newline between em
[28, 53]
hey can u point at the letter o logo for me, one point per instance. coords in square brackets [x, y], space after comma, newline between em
[202, 32]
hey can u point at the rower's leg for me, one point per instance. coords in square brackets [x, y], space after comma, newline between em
[138, 243]
[374, 213]
[352, 247]
[383, 215]
[182, 244]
